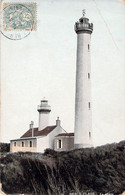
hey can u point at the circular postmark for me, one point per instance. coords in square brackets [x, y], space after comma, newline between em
[16, 21]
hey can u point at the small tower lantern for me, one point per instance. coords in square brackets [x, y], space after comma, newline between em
[44, 109]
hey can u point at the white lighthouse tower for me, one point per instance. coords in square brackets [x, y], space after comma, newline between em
[44, 109]
[83, 110]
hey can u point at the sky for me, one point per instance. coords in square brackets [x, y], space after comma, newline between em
[44, 65]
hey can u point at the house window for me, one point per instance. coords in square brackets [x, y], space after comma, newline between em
[14, 143]
[22, 144]
[89, 105]
[59, 143]
[89, 135]
[88, 75]
[30, 143]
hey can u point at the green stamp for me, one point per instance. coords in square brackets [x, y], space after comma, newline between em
[19, 17]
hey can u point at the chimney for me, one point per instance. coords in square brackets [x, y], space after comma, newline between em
[58, 122]
[31, 127]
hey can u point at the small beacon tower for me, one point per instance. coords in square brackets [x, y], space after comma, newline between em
[44, 109]
[83, 110]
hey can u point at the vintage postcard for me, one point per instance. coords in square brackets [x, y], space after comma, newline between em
[62, 90]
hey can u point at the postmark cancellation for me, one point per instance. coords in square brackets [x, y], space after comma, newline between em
[20, 16]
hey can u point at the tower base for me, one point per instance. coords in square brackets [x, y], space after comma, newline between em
[83, 146]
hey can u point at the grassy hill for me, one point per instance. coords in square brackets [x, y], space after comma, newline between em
[99, 170]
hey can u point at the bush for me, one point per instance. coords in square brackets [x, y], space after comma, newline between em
[50, 152]
[4, 147]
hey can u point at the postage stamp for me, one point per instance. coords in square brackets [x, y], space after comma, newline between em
[19, 17]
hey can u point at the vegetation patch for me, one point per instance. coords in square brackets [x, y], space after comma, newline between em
[99, 170]
[4, 147]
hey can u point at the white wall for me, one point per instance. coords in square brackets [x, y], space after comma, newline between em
[42, 143]
[43, 120]
[83, 115]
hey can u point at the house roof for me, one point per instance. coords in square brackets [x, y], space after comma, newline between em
[36, 132]
[23, 138]
[65, 134]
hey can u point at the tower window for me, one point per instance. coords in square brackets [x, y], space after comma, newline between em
[88, 75]
[89, 105]
[89, 135]
[88, 47]
[30, 143]
[14, 143]
[22, 144]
